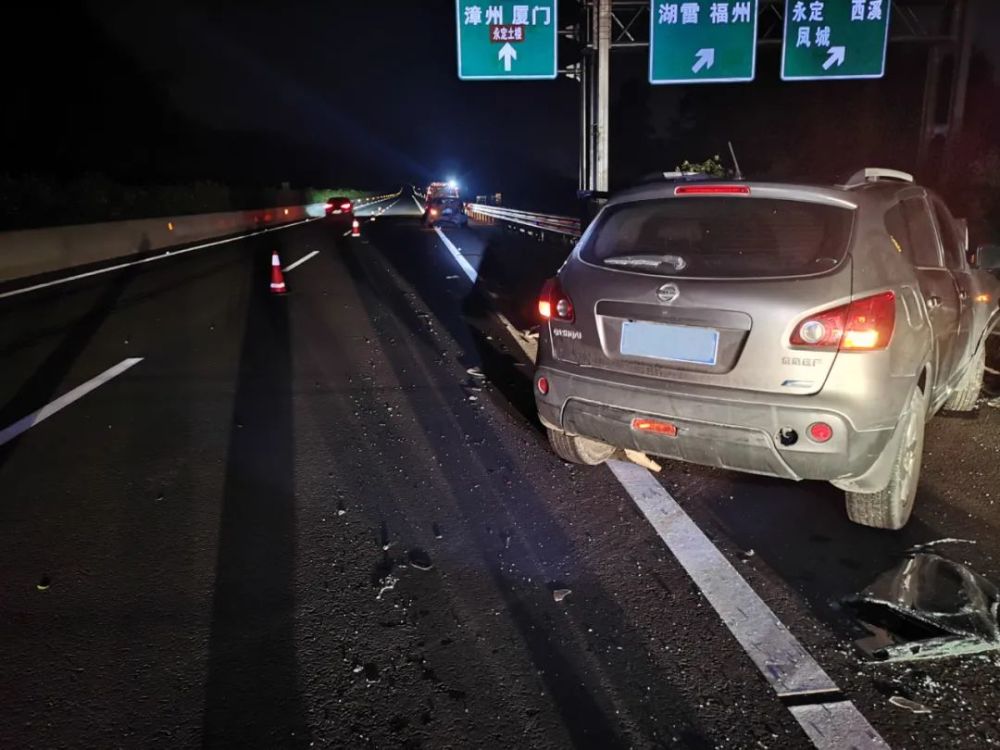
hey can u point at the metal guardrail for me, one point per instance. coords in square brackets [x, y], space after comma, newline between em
[565, 225]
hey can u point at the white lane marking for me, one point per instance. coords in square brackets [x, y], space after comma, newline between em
[420, 207]
[167, 254]
[835, 725]
[528, 346]
[347, 233]
[300, 261]
[22, 425]
[459, 258]
[785, 664]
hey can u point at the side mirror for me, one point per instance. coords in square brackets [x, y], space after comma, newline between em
[987, 258]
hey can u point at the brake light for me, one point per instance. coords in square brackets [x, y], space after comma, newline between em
[863, 325]
[712, 190]
[554, 303]
[346, 206]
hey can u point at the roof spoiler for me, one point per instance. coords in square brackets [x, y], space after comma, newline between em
[877, 174]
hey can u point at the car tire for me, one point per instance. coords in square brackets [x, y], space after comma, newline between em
[579, 450]
[966, 394]
[891, 507]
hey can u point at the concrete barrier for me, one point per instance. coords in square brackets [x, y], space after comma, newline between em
[31, 252]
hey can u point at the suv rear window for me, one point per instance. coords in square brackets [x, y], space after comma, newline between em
[721, 237]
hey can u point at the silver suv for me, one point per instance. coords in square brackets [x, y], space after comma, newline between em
[796, 331]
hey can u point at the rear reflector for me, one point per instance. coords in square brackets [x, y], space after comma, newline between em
[641, 424]
[820, 432]
[712, 190]
[543, 385]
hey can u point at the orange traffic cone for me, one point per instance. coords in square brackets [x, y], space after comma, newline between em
[356, 228]
[277, 277]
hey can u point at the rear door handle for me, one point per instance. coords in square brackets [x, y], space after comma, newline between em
[933, 302]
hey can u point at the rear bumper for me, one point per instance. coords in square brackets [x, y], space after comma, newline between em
[728, 432]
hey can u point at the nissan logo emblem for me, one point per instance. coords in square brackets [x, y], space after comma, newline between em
[668, 293]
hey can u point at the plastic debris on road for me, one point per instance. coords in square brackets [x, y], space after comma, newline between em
[900, 702]
[927, 607]
[560, 594]
[641, 459]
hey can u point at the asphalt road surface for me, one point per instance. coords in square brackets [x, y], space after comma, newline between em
[296, 521]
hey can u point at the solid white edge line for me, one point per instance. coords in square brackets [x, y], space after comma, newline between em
[779, 656]
[300, 261]
[26, 423]
[151, 259]
[459, 258]
[419, 207]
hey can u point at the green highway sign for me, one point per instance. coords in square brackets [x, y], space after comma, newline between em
[702, 42]
[834, 39]
[499, 41]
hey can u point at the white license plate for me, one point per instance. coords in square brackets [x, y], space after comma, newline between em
[671, 343]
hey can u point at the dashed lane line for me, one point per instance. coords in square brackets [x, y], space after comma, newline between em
[23, 425]
[300, 261]
[151, 259]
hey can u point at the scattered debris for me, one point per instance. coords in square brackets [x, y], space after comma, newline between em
[419, 559]
[640, 458]
[928, 606]
[994, 402]
[44, 584]
[476, 373]
[452, 277]
[473, 398]
[437, 531]
[900, 702]
[560, 594]
[388, 584]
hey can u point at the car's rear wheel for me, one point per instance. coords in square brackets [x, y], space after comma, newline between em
[579, 450]
[891, 507]
[967, 393]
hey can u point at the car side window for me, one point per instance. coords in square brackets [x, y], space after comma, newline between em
[923, 251]
[949, 237]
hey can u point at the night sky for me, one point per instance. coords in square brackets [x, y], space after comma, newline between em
[366, 94]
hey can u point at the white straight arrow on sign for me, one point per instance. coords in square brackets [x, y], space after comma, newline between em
[704, 58]
[507, 54]
[837, 57]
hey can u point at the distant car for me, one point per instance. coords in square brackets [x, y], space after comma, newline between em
[445, 211]
[341, 208]
[796, 331]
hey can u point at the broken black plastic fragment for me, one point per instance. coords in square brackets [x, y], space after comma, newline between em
[928, 606]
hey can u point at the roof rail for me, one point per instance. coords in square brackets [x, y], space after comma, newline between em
[875, 174]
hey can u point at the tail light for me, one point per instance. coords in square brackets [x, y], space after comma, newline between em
[863, 325]
[345, 206]
[554, 303]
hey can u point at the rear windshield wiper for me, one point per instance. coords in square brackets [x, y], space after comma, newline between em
[647, 260]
